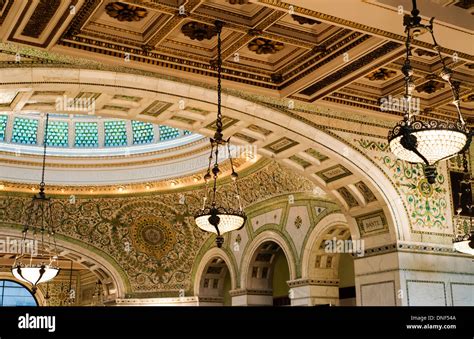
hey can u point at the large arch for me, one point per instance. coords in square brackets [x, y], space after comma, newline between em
[250, 250]
[205, 262]
[114, 280]
[283, 125]
[328, 222]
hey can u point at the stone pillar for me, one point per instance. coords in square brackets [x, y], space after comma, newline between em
[242, 297]
[310, 292]
[414, 274]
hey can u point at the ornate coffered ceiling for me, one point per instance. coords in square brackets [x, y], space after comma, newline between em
[269, 47]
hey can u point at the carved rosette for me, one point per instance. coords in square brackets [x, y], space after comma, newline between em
[302, 20]
[430, 87]
[381, 74]
[198, 31]
[125, 12]
[265, 46]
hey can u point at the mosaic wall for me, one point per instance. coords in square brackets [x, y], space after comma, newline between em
[152, 238]
[428, 206]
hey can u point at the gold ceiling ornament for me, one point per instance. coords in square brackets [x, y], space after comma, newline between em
[381, 74]
[125, 12]
[430, 87]
[198, 31]
[423, 52]
[302, 20]
[265, 46]
[422, 141]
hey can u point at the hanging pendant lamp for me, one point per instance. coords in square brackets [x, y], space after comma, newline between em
[40, 268]
[214, 217]
[426, 141]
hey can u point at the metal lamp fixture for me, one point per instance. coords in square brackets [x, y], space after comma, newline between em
[38, 221]
[214, 217]
[420, 141]
[464, 234]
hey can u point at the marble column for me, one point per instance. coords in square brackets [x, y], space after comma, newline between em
[414, 274]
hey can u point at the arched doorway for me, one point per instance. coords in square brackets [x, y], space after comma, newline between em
[214, 278]
[328, 265]
[268, 275]
[215, 284]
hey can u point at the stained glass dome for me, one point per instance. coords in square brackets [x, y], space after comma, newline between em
[86, 135]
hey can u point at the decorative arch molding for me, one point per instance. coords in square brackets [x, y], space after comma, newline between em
[294, 129]
[99, 262]
[267, 236]
[334, 219]
[204, 262]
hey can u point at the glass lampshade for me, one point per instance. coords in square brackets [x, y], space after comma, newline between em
[35, 274]
[433, 144]
[228, 222]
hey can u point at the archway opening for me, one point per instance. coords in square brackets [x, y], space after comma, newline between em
[347, 290]
[269, 274]
[215, 284]
[329, 264]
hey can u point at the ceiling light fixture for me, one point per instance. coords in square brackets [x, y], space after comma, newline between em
[426, 141]
[38, 219]
[214, 217]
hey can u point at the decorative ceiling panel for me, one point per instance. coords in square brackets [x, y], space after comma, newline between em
[303, 55]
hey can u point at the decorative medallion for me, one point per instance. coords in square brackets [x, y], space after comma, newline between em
[425, 188]
[265, 46]
[430, 87]
[153, 235]
[125, 12]
[304, 20]
[198, 31]
[298, 222]
[423, 52]
[381, 74]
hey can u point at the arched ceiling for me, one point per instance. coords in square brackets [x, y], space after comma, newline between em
[286, 136]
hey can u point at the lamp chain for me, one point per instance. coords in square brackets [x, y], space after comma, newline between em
[218, 134]
[45, 142]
